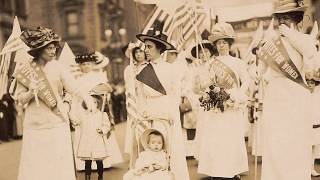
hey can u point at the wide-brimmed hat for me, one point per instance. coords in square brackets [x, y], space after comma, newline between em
[145, 138]
[221, 30]
[156, 34]
[38, 38]
[285, 6]
[205, 44]
[97, 58]
[86, 57]
[101, 89]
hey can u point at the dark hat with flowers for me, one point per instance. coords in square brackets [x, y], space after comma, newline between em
[38, 38]
[86, 57]
[156, 34]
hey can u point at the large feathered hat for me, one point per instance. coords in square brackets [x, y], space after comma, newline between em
[156, 34]
[221, 30]
[38, 38]
[285, 6]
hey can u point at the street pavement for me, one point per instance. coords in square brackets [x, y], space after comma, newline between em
[10, 156]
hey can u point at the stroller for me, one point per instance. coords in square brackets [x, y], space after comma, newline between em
[141, 162]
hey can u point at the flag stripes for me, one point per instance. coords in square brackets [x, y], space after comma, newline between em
[180, 25]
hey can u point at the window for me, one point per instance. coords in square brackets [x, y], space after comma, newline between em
[72, 23]
[5, 6]
[20, 7]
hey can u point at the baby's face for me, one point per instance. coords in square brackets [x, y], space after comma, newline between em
[155, 142]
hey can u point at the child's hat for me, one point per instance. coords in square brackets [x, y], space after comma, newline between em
[100, 89]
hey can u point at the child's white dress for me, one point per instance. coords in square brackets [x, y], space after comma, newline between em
[87, 82]
[92, 145]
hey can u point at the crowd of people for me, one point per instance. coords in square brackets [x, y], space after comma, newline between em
[176, 106]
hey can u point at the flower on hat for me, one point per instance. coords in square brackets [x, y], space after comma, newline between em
[39, 37]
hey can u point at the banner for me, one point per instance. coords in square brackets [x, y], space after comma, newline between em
[32, 72]
[223, 75]
[276, 56]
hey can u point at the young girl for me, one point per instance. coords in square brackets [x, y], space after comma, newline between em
[90, 77]
[94, 130]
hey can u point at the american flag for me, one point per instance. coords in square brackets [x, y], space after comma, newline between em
[180, 24]
[8, 58]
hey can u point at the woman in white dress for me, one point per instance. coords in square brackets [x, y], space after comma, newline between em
[199, 73]
[223, 150]
[46, 146]
[157, 92]
[286, 112]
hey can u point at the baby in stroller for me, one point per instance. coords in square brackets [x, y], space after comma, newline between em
[153, 162]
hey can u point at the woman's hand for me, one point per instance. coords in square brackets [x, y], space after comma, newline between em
[304, 43]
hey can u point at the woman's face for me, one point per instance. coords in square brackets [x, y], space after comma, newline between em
[285, 19]
[49, 52]
[204, 54]
[86, 67]
[140, 55]
[151, 50]
[171, 57]
[223, 47]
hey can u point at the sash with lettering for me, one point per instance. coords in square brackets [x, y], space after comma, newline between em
[31, 71]
[275, 55]
[224, 76]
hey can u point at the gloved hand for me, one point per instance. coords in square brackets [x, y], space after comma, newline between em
[303, 43]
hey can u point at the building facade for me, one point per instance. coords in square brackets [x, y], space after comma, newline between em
[9, 9]
[102, 25]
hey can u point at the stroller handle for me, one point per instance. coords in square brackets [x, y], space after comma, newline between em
[163, 120]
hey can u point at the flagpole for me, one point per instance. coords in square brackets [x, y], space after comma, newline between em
[196, 30]
[137, 16]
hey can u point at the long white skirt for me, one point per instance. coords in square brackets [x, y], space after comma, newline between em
[223, 150]
[114, 157]
[47, 154]
[287, 131]
[201, 118]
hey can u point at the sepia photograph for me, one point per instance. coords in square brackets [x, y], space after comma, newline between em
[159, 90]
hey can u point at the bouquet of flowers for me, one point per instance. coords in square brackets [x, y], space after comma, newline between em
[215, 97]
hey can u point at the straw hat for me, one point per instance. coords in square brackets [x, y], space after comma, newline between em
[101, 89]
[156, 34]
[38, 38]
[284, 6]
[221, 30]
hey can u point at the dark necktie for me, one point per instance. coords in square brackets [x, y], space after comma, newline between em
[149, 77]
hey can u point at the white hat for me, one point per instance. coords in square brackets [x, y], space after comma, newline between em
[221, 30]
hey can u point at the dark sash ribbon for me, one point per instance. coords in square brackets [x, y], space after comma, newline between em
[31, 71]
[224, 75]
[276, 56]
